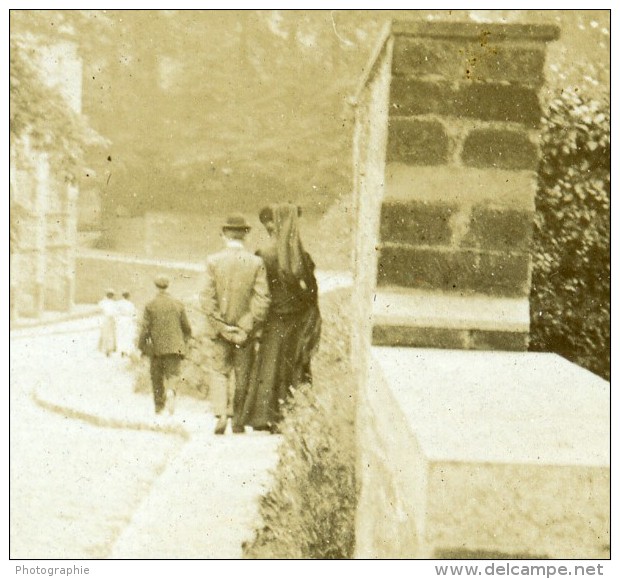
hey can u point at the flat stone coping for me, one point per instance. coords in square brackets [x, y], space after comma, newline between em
[423, 309]
[464, 29]
[500, 407]
[495, 188]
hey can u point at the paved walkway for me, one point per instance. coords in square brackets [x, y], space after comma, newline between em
[74, 485]
[205, 502]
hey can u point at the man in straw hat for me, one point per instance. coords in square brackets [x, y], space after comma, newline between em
[163, 337]
[235, 300]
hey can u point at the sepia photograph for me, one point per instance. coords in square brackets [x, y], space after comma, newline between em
[294, 284]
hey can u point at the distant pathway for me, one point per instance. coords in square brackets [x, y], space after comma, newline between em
[327, 279]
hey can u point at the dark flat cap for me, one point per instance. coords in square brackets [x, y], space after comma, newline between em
[162, 282]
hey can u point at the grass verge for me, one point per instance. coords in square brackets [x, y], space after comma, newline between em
[309, 512]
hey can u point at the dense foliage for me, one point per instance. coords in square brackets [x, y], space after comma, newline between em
[570, 301]
[309, 512]
[37, 109]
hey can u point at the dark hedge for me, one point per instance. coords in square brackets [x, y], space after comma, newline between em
[571, 277]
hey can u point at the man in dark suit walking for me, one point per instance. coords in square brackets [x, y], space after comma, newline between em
[163, 337]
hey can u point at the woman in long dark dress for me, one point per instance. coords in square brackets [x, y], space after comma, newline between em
[293, 325]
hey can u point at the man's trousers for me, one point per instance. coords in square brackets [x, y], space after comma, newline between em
[163, 368]
[230, 368]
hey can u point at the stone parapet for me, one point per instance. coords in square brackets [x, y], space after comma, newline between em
[482, 454]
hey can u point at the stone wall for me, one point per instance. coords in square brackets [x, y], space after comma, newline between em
[463, 453]
[457, 198]
[44, 206]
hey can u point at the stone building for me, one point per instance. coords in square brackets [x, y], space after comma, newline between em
[43, 207]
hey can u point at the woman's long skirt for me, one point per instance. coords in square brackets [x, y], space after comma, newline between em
[283, 362]
[107, 337]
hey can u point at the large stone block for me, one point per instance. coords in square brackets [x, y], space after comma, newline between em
[416, 223]
[504, 273]
[424, 58]
[517, 64]
[454, 270]
[409, 336]
[495, 102]
[483, 60]
[489, 454]
[506, 341]
[434, 269]
[502, 149]
[461, 186]
[484, 101]
[482, 32]
[416, 142]
[499, 229]
[411, 96]
[521, 511]
[413, 337]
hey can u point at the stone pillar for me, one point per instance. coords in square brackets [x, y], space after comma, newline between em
[369, 144]
[24, 238]
[463, 453]
[63, 73]
[42, 182]
[457, 198]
